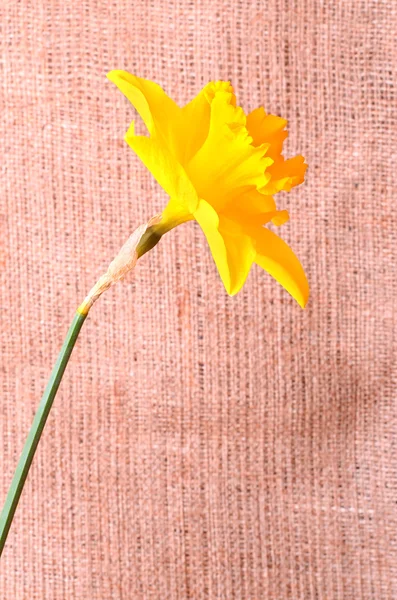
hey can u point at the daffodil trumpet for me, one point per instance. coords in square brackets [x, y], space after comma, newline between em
[219, 167]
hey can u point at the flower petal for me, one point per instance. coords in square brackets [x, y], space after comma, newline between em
[285, 174]
[157, 110]
[159, 152]
[174, 214]
[231, 249]
[270, 129]
[165, 168]
[252, 202]
[277, 258]
[267, 129]
[280, 217]
[228, 160]
[195, 118]
[183, 130]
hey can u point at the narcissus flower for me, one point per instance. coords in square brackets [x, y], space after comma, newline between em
[221, 168]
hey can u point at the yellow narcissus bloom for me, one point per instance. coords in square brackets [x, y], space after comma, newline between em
[221, 168]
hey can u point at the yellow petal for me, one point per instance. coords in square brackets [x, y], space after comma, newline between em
[195, 119]
[252, 202]
[277, 258]
[267, 129]
[174, 134]
[227, 162]
[280, 217]
[174, 214]
[165, 168]
[183, 130]
[284, 174]
[231, 249]
[157, 110]
[253, 208]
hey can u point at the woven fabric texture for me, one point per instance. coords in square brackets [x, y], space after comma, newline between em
[200, 446]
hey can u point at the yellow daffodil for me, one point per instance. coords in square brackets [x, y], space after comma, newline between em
[221, 168]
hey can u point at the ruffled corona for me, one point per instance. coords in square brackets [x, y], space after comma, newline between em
[221, 168]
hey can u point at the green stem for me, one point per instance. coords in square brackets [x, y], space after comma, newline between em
[36, 430]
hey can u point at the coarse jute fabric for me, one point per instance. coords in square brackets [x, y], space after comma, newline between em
[200, 446]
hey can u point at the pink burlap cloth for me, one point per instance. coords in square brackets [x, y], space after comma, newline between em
[200, 446]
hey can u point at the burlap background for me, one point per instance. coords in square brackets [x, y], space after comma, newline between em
[200, 446]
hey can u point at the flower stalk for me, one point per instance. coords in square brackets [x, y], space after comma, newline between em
[140, 242]
[36, 430]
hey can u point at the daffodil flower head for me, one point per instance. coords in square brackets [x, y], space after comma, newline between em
[222, 168]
